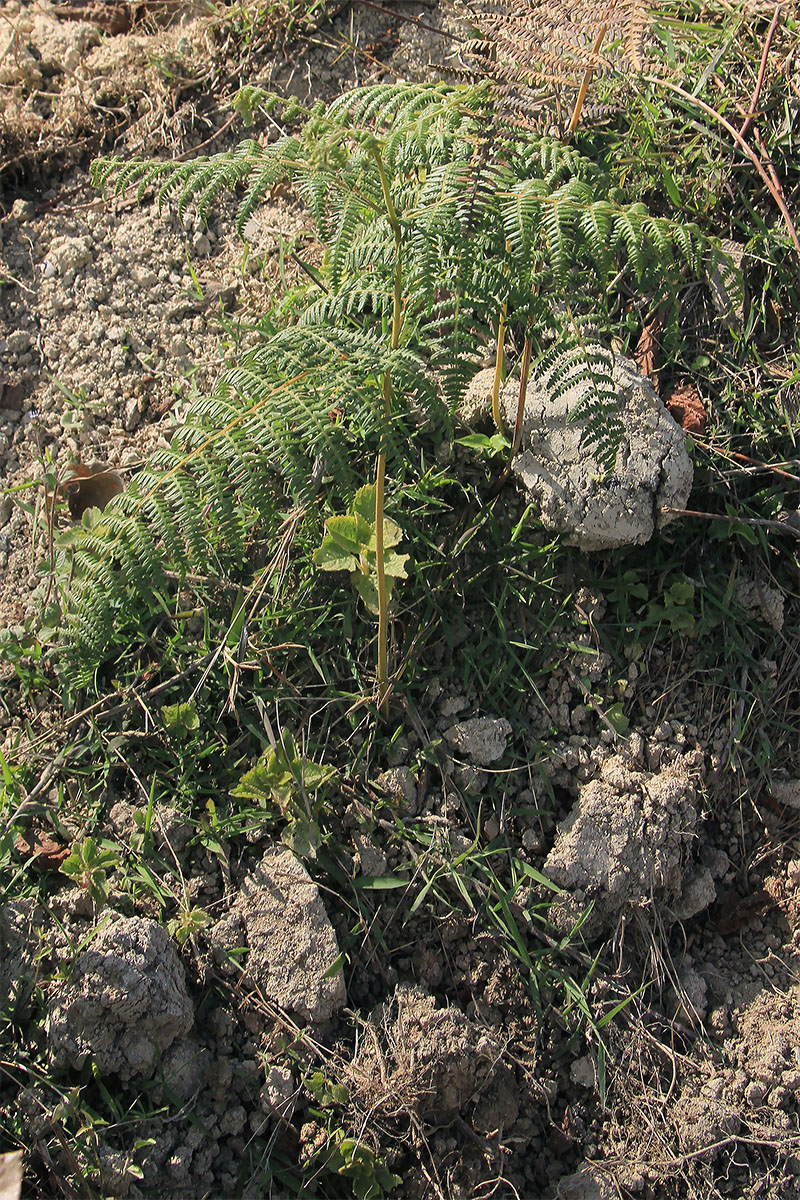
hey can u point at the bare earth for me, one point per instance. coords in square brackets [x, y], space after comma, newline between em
[110, 316]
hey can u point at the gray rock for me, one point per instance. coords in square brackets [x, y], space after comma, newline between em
[11, 1174]
[70, 253]
[18, 342]
[786, 792]
[280, 917]
[184, 1067]
[481, 739]
[400, 784]
[703, 1123]
[626, 844]
[476, 403]
[697, 893]
[23, 210]
[565, 481]
[132, 416]
[124, 1004]
[279, 1093]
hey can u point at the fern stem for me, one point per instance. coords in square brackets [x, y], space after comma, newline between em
[587, 75]
[380, 473]
[523, 390]
[498, 370]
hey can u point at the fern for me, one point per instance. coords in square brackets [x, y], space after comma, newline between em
[531, 48]
[419, 197]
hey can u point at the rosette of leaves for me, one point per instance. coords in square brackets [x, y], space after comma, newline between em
[88, 866]
[295, 786]
[350, 545]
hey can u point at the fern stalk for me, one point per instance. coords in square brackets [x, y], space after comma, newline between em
[587, 75]
[498, 370]
[380, 473]
[434, 221]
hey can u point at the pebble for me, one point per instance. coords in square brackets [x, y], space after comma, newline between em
[18, 342]
[132, 416]
[23, 210]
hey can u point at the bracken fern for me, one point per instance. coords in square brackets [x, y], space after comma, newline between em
[488, 219]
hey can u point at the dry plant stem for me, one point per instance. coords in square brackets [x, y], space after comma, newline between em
[523, 387]
[761, 70]
[775, 192]
[380, 473]
[777, 526]
[587, 76]
[498, 371]
[754, 463]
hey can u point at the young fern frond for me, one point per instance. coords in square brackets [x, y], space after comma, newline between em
[488, 221]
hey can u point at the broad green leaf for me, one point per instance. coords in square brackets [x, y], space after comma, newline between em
[315, 776]
[392, 534]
[617, 719]
[180, 719]
[395, 565]
[364, 503]
[349, 532]
[330, 557]
[367, 588]
[255, 784]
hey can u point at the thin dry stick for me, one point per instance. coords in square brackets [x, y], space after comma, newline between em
[775, 192]
[523, 388]
[752, 463]
[777, 526]
[761, 70]
[587, 75]
[498, 369]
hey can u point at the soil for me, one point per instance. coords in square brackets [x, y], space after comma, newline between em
[110, 319]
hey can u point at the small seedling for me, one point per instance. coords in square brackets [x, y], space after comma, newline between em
[181, 720]
[350, 545]
[88, 867]
[189, 922]
[282, 776]
[348, 1157]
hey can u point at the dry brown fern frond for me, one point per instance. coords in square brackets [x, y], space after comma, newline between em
[528, 46]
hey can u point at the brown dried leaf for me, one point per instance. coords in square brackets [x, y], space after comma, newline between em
[43, 851]
[686, 406]
[89, 487]
[646, 353]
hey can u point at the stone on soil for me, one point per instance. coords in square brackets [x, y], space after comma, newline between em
[419, 1058]
[564, 480]
[627, 844]
[125, 1002]
[280, 917]
[481, 739]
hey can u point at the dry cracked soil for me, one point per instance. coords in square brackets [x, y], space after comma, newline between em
[109, 316]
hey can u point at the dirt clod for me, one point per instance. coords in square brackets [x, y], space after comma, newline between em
[564, 479]
[417, 1058]
[125, 1004]
[627, 842]
[280, 917]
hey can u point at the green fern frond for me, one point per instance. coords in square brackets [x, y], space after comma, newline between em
[489, 219]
